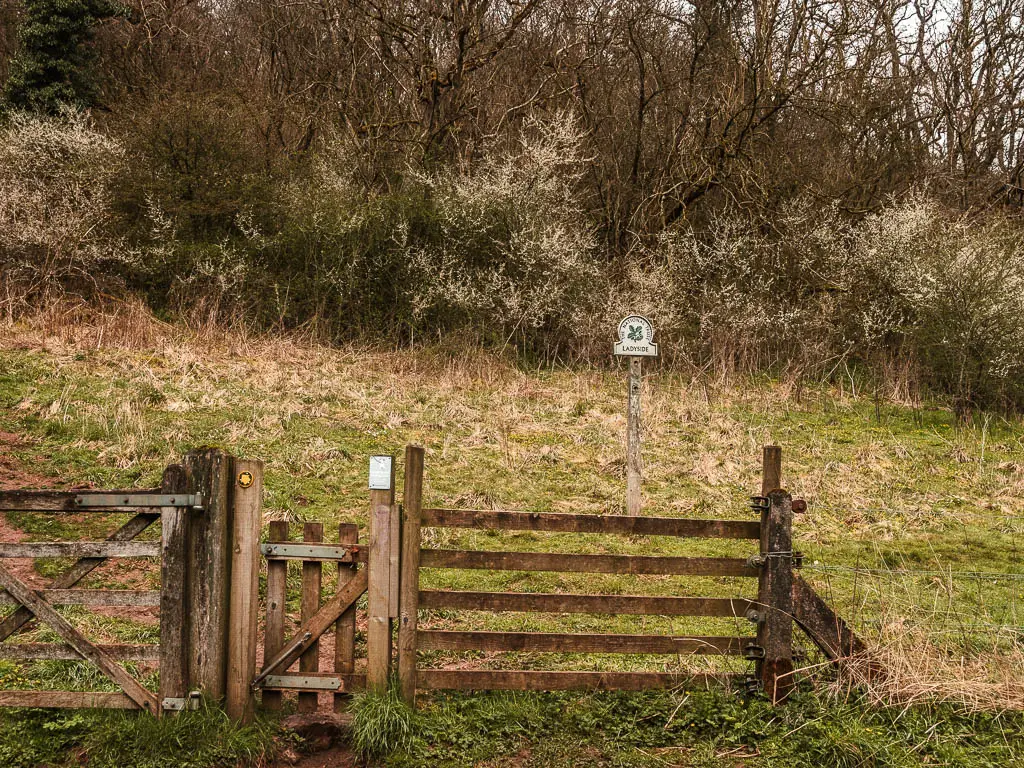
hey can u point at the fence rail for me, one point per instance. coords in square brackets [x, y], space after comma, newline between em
[596, 604]
[606, 524]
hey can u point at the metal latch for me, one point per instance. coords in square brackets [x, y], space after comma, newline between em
[114, 500]
[755, 561]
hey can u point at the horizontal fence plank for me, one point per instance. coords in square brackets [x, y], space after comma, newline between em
[62, 652]
[611, 524]
[66, 700]
[94, 597]
[556, 642]
[315, 681]
[81, 549]
[62, 501]
[621, 564]
[533, 680]
[599, 604]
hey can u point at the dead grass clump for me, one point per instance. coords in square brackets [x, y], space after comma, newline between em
[983, 671]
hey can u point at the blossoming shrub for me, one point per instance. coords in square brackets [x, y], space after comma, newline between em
[55, 208]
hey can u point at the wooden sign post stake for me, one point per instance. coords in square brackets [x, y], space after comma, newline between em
[634, 469]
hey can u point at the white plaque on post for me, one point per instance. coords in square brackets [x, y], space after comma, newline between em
[380, 473]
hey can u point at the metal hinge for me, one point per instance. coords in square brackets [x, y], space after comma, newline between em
[755, 561]
[342, 553]
[754, 616]
[752, 685]
[760, 503]
[172, 704]
[303, 683]
[114, 500]
[753, 652]
[798, 559]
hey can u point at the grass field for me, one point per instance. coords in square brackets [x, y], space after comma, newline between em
[914, 527]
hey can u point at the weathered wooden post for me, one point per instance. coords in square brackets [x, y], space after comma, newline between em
[277, 596]
[345, 626]
[312, 584]
[775, 586]
[412, 506]
[174, 683]
[635, 341]
[209, 535]
[378, 633]
[247, 519]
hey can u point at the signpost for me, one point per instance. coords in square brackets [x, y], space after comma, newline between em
[636, 336]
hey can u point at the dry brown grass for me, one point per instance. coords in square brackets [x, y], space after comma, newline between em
[921, 665]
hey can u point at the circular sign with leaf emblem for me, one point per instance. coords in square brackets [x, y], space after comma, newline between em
[636, 337]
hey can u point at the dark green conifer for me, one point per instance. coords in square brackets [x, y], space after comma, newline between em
[53, 67]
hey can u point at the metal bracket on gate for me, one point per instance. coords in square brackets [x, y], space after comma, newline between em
[303, 683]
[760, 503]
[755, 561]
[752, 685]
[115, 500]
[342, 553]
[172, 704]
[753, 652]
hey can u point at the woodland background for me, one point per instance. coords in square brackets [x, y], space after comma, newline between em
[810, 188]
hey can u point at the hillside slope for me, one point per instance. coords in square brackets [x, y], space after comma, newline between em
[913, 529]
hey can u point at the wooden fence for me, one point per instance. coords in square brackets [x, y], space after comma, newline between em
[210, 559]
[771, 612]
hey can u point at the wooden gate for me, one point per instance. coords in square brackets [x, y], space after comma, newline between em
[317, 617]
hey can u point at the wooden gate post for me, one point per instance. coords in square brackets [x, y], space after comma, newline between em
[173, 590]
[412, 506]
[775, 586]
[378, 633]
[209, 535]
[247, 519]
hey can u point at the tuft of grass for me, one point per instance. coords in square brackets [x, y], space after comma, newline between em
[204, 738]
[381, 722]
